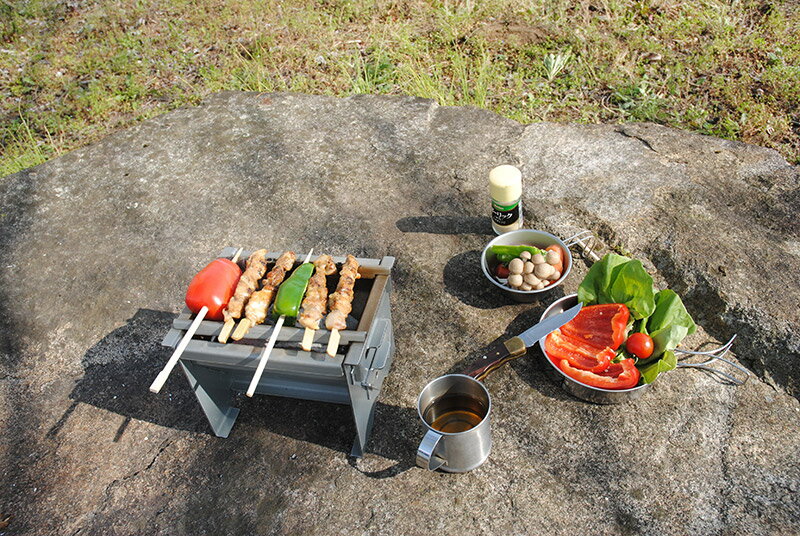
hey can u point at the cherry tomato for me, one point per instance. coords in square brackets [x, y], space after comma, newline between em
[213, 286]
[502, 271]
[640, 345]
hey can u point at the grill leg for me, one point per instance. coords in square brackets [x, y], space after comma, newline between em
[213, 391]
[363, 407]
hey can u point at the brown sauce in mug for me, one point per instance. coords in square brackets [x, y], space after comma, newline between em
[455, 413]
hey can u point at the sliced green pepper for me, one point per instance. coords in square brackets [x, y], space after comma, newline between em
[506, 254]
[290, 293]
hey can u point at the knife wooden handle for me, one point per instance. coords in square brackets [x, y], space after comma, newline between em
[496, 355]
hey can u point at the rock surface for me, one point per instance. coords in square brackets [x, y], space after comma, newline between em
[97, 247]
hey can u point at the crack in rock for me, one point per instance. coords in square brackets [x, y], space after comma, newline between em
[164, 445]
[645, 142]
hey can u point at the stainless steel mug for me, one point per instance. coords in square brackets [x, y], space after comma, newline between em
[455, 409]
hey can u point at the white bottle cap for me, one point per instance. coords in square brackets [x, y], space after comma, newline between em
[505, 184]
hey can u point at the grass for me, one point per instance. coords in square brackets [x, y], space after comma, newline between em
[73, 71]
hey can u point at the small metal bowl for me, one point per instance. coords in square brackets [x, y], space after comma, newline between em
[574, 387]
[527, 237]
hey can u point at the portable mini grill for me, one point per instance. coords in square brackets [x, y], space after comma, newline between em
[216, 372]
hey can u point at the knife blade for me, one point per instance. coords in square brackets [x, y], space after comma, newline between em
[501, 352]
[532, 335]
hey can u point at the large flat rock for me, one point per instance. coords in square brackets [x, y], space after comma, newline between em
[96, 249]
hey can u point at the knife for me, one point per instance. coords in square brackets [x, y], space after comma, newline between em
[501, 352]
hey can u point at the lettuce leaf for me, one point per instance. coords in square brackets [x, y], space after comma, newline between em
[668, 338]
[651, 371]
[633, 286]
[669, 310]
[595, 286]
[670, 323]
[618, 279]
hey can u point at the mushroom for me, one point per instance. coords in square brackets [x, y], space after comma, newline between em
[538, 259]
[516, 266]
[539, 285]
[525, 255]
[526, 286]
[530, 279]
[554, 276]
[515, 280]
[553, 257]
[544, 270]
[528, 269]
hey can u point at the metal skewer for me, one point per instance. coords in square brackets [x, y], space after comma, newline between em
[268, 348]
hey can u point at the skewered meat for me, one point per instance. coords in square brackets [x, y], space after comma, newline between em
[255, 269]
[340, 302]
[256, 310]
[316, 299]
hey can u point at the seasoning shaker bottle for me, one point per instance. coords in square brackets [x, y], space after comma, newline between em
[505, 188]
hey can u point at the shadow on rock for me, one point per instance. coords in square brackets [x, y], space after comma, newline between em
[764, 347]
[119, 369]
[395, 436]
[450, 225]
[464, 279]
[331, 426]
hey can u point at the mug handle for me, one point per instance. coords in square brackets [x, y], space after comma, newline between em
[425, 457]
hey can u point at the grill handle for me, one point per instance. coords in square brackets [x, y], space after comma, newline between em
[380, 364]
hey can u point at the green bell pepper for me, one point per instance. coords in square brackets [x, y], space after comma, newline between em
[506, 254]
[291, 292]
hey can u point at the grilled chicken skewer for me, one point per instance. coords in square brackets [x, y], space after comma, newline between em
[254, 270]
[340, 303]
[316, 300]
[256, 310]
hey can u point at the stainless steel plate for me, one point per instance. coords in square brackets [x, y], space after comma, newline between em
[530, 237]
[574, 387]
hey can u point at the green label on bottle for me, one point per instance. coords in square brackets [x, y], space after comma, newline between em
[505, 215]
[504, 208]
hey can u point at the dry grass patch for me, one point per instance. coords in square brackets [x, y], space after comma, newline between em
[72, 71]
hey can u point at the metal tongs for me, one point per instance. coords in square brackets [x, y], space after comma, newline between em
[716, 355]
[587, 242]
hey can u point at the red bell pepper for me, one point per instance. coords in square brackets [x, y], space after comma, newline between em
[213, 287]
[622, 375]
[600, 326]
[580, 355]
